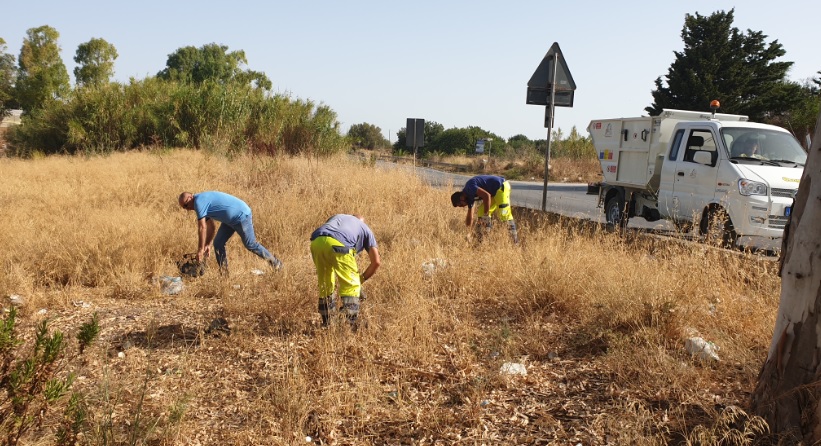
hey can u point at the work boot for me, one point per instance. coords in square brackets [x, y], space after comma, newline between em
[350, 308]
[327, 309]
[514, 233]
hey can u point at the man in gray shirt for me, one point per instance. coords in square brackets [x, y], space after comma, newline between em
[334, 247]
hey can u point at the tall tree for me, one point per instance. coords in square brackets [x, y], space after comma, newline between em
[211, 62]
[367, 135]
[800, 119]
[95, 62]
[7, 74]
[721, 62]
[787, 393]
[41, 74]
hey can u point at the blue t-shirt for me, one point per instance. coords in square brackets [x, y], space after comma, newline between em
[490, 183]
[221, 207]
[348, 230]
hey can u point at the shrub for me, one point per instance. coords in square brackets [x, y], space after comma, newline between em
[222, 117]
[33, 383]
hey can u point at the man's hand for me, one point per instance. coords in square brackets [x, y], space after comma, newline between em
[207, 252]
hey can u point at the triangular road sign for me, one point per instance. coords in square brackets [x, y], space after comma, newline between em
[543, 76]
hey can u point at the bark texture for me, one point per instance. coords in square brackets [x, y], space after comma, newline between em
[788, 392]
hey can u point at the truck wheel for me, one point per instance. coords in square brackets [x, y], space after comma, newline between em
[614, 214]
[717, 228]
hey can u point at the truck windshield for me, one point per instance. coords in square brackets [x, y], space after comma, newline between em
[763, 144]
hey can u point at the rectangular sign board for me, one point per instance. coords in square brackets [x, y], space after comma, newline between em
[541, 96]
[415, 133]
[480, 146]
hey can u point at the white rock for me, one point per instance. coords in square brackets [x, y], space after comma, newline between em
[513, 368]
[432, 265]
[121, 355]
[171, 285]
[702, 349]
[257, 272]
[16, 300]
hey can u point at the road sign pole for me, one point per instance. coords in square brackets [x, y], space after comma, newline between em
[551, 109]
[414, 145]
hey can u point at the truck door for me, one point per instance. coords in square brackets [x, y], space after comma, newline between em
[695, 174]
[667, 205]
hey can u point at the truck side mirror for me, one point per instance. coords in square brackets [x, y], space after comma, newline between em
[703, 157]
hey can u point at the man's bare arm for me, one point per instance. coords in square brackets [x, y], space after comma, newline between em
[204, 225]
[376, 262]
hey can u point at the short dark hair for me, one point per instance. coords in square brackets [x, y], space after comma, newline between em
[456, 199]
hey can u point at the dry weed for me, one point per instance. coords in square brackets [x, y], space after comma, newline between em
[598, 320]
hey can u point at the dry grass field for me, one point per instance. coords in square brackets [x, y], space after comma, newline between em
[598, 320]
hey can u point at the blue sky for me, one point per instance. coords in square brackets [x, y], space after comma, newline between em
[458, 63]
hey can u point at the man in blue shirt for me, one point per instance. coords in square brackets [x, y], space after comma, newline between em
[234, 216]
[334, 246]
[494, 193]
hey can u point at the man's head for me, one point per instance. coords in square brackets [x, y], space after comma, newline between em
[458, 199]
[750, 147]
[186, 201]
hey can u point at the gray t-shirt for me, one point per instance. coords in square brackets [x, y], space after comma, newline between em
[348, 230]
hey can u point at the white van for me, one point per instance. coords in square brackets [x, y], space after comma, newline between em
[720, 173]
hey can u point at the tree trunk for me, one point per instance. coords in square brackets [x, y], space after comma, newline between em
[788, 393]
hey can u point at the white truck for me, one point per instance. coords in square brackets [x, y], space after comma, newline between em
[716, 172]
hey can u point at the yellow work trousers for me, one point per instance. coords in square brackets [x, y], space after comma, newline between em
[334, 261]
[500, 201]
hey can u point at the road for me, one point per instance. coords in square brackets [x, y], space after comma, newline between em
[571, 200]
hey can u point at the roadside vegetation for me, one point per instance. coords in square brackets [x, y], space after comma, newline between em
[599, 321]
[572, 158]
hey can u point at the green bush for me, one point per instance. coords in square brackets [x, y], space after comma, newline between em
[34, 383]
[224, 117]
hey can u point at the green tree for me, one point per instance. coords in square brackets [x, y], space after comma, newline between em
[801, 118]
[211, 62]
[463, 140]
[95, 60]
[41, 77]
[7, 74]
[455, 140]
[721, 62]
[520, 141]
[367, 135]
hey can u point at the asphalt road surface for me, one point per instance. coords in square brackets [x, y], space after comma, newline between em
[571, 200]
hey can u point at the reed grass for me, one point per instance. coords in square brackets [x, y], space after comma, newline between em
[599, 320]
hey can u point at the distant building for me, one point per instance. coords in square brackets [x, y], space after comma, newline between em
[13, 118]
